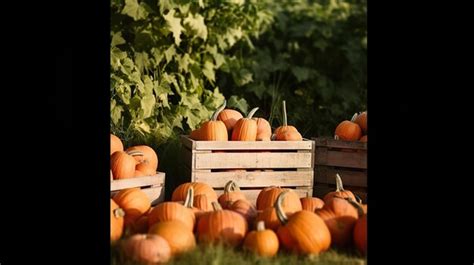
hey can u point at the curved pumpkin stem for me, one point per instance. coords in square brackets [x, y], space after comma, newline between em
[336, 137]
[357, 205]
[339, 186]
[119, 212]
[279, 211]
[216, 206]
[260, 226]
[354, 117]
[285, 120]
[189, 201]
[229, 186]
[218, 110]
[134, 153]
[252, 112]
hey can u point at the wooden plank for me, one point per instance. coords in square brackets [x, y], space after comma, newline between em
[331, 143]
[252, 160]
[342, 159]
[156, 194]
[321, 190]
[120, 184]
[326, 175]
[252, 194]
[257, 179]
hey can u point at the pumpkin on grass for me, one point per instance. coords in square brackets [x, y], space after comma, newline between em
[169, 211]
[116, 221]
[246, 128]
[287, 132]
[148, 249]
[134, 202]
[115, 144]
[311, 203]
[263, 242]
[214, 130]
[179, 194]
[267, 198]
[231, 193]
[339, 192]
[179, 237]
[229, 117]
[348, 130]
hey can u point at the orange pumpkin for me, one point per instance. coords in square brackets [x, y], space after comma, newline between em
[264, 130]
[245, 208]
[222, 226]
[145, 169]
[348, 130]
[267, 198]
[169, 211]
[179, 237]
[201, 202]
[122, 165]
[140, 226]
[149, 249]
[149, 158]
[311, 203]
[115, 144]
[304, 232]
[230, 118]
[245, 129]
[195, 134]
[269, 217]
[138, 173]
[360, 234]
[116, 221]
[231, 193]
[361, 120]
[263, 242]
[363, 139]
[179, 194]
[214, 130]
[134, 202]
[340, 192]
[285, 132]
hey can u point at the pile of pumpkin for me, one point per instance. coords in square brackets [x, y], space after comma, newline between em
[135, 161]
[353, 130]
[280, 220]
[229, 124]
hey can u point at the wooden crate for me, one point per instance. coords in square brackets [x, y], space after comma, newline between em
[153, 186]
[266, 163]
[348, 159]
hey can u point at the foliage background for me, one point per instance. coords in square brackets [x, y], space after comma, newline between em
[174, 61]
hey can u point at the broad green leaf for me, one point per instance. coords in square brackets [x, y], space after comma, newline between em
[134, 10]
[148, 85]
[243, 77]
[115, 112]
[166, 5]
[213, 99]
[196, 23]
[190, 100]
[169, 53]
[174, 25]
[240, 104]
[147, 104]
[157, 55]
[201, 3]
[208, 71]
[124, 92]
[117, 39]
[183, 62]
[141, 61]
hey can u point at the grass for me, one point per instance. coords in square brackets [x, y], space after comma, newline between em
[219, 255]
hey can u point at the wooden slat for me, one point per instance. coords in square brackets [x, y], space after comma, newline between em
[252, 160]
[331, 143]
[321, 190]
[326, 175]
[252, 194]
[243, 145]
[257, 179]
[120, 184]
[341, 159]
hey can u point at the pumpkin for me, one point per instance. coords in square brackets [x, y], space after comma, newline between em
[348, 130]
[169, 211]
[229, 117]
[145, 169]
[245, 208]
[195, 134]
[221, 226]
[361, 120]
[214, 130]
[340, 217]
[263, 242]
[340, 192]
[179, 194]
[311, 203]
[115, 144]
[149, 158]
[201, 202]
[122, 164]
[304, 232]
[264, 130]
[360, 234]
[267, 198]
[246, 128]
[189, 203]
[148, 249]
[134, 202]
[269, 217]
[285, 132]
[140, 226]
[179, 237]
[363, 139]
[116, 221]
[138, 173]
[231, 193]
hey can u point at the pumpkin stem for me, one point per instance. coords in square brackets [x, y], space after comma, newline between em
[260, 226]
[134, 153]
[354, 117]
[285, 121]
[336, 137]
[229, 186]
[279, 211]
[252, 112]
[216, 206]
[339, 186]
[189, 201]
[119, 212]
[218, 110]
[360, 211]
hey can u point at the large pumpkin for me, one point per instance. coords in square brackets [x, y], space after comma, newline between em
[311, 203]
[348, 130]
[179, 237]
[264, 130]
[267, 198]
[115, 144]
[229, 117]
[122, 165]
[287, 132]
[116, 221]
[245, 208]
[222, 226]
[134, 202]
[361, 120]
[169, 211]
[263, 242]
[214, 130]
[149, 158]
[304, 232]
[148, 249]
[360, 234]
[245, 129]
[179, 194]
[231, 194]
[339, 192]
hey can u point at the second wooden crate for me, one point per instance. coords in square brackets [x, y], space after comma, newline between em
[153, 186]
[252, 165]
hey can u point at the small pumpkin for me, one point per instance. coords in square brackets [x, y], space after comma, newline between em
[245, 208]
[246, 128]
[231, 193]
[340, 191]
[221, 226]
[169, 211]
[214, 130]
[264, 130]
[134, 202]
[348, 130]
[287, 132]
[361, 120]
[179, 237]
[116, 221]
[229, 117]
[122, 164]
[263, 242]
[309, 203]
[360, 234]
[115, 144]
[145, 169]
[179, 194]
[148, 158]
[148, 249]
[267, 198]
[363, 139]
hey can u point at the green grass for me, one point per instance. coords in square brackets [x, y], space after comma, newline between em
[219, 255]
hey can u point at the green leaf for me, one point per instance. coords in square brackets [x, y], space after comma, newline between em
[141, 60]
[240, 104]
[169, 53]
[301, 73]
[174, 25]
[115, 112]
[148, 85]
[134, 10]
[213, 99]
[147, 104]
[243, 77]
[183, 62]
[166, 5]
[201, 3]
[157, 55]
[196, 23]
[190, 100]
[208, 71]
[117, 39]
